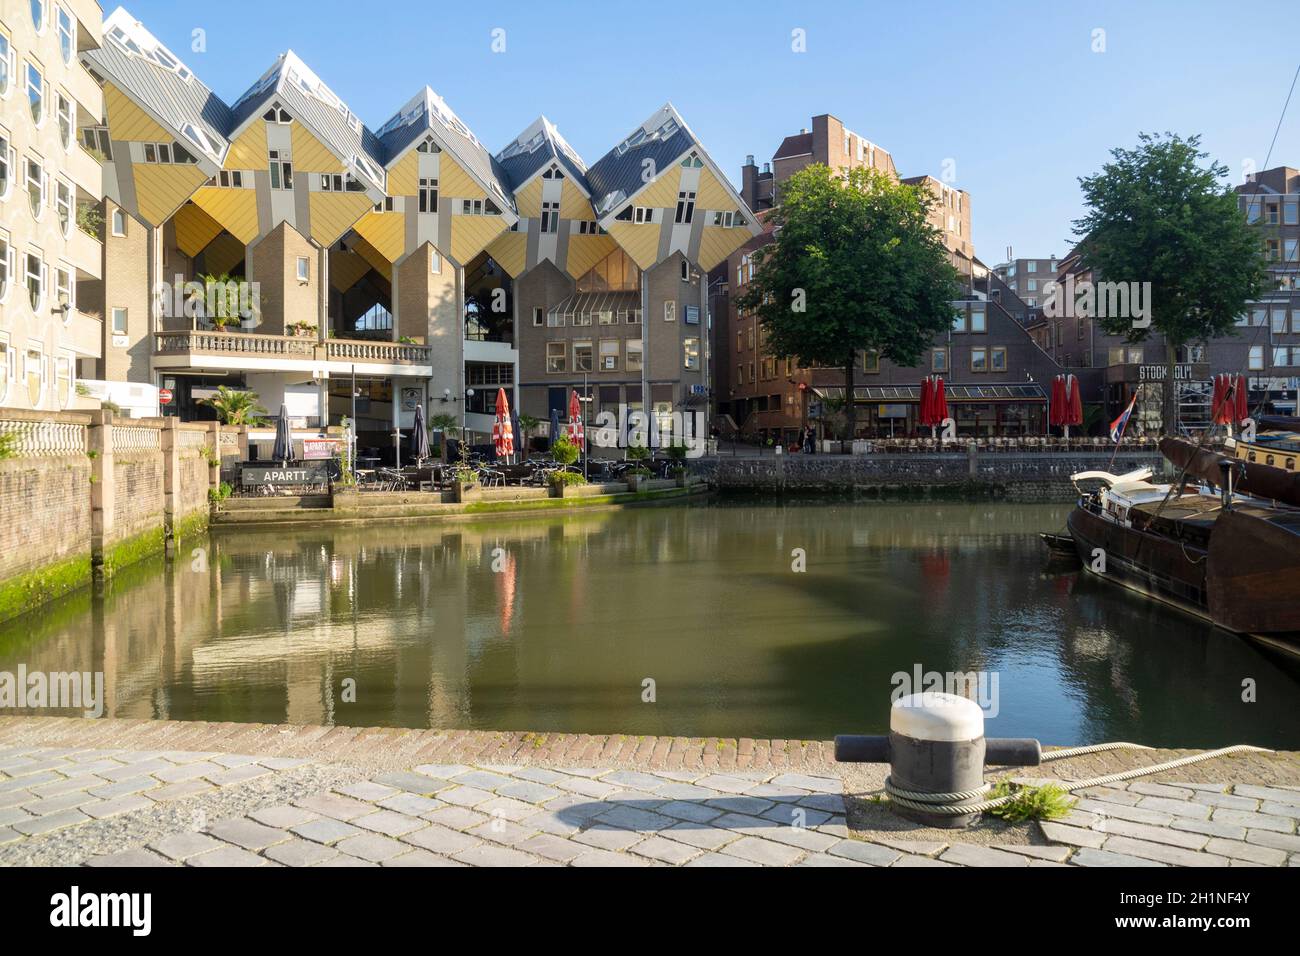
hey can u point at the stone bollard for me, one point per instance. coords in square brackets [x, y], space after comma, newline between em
[936, 745]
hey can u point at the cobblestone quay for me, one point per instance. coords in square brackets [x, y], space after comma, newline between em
[169, 793]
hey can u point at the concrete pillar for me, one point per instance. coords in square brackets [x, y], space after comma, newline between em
[214, 454]
[99, 445]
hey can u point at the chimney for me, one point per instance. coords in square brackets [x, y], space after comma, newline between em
[767, 169]
[803, 131]
[749, 159]
[749, 181]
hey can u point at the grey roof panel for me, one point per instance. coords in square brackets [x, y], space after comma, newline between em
[619, 174]
[536, 147]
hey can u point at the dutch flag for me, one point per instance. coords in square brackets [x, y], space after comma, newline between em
[1118, 425]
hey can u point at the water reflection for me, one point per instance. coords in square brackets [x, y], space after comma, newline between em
[552, 624]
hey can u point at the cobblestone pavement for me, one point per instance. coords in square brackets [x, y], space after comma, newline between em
[119, 807]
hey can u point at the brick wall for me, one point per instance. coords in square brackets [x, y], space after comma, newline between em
[46, 504]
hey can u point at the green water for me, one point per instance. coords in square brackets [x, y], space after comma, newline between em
[556, 623]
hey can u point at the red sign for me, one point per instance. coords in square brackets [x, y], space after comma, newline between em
[317, 449]
[164, 396]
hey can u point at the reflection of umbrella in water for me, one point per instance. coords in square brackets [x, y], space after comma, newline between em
[420, 437]
[283, 449]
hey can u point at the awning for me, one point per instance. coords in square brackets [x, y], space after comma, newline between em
[1019, 392]
[590, 303]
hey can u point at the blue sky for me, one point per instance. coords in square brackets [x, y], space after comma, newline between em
[1012, 92]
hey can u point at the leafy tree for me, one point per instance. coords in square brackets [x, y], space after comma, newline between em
[565, 450]
[221, 296]
[855, 265]
[235, 407]
[1156, 215]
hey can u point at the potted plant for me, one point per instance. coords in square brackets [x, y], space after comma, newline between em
[677, 455]
[464, 484]
[442, 427]
[235, 407]
[637, 477]
[558, 481]
[302, 329]
[565, 451]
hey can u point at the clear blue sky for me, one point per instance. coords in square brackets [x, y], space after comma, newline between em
[1011, 91]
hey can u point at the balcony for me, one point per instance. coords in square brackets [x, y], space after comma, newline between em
[86, 253]
[248, 351]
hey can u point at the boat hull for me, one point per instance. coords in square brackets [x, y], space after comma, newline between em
[1253, 573]
[1258, 479]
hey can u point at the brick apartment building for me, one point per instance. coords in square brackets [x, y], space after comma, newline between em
[997, 377]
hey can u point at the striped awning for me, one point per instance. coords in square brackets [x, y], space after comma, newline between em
[1019, 392]
[591, 303]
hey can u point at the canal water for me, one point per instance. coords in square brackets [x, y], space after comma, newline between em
[738, 618]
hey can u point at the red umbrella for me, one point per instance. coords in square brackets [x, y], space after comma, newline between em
[503, 434]
[925, 416]
[1218, 405]
[576, 431]
[1074, 414]
[1057, 402]
[1242, 409]
[939, 402]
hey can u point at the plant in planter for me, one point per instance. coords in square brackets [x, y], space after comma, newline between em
[638, 476]
[235, 407]
[302, 329]
[560, 480]
[677, 455]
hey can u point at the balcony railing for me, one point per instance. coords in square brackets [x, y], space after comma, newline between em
[288, 346]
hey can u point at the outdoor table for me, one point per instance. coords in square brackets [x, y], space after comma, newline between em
[367, 461]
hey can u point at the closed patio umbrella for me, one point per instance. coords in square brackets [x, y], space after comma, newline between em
[1073, 414]
[503, 438]
[1057, 405]
[420, 437]
[1220, 407]
[555, 425]
[939, 402]
[283, 450]
[925, 417]
[1242, 411]
[576, 431]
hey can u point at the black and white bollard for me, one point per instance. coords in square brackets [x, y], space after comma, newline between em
[936, 752]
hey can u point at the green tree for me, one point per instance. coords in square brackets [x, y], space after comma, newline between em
[855, 266]
[1156, 214]
[234, 406]
[221, 297]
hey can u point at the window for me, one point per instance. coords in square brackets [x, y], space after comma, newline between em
[95, 139]
[63, 289]
[690, 353]
[119, 222]
[724, 219]
[1280, 356]
[938, 360]
[686, 271]
[6, 369]
[34, 372]
[229, 179]
[1291, 212]
[38, 15]
[740, 374]
[554, 320]
[685, 208]
[281, 169]
[67, 120]
[609, 351]
[870, 361]
[34, 275]
[589, 227]
[36, 93]
[331, 183]
[277, 115]
[606, 317]
[582, 361]
[633, 363]
[999, 360]
[119, 321]
[634, 317]
[581, 318]
[550, 217]
[1256, 360]
[979, 359]
[428, 195]
[304, 269]
[643, 214]
[6, 267]
[35, 187]
[977, 321]
[63, 205]
[67, 35]
[959, 322]
[555, 357]
[1279, 320]
[63, 381]
[539, 316]
[670, 311]
[435, 262]
[6, 165]
[6, 64]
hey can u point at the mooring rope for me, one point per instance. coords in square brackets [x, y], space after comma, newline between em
[956, 803]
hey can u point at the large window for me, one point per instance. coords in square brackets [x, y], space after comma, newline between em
[685, 208]
[1256, 360]
[582, 357]
[281, 169]
[977, 321]
[67, 35]
[95, 139]
[550, 217]
[63, 205]
[6, 165]
[633, 349]
[690, 353]
[34, 276]
[6, 64]
[556, 357]
[609, 353]
[35, 187]
[38, 15]
[34, 372]
[428, 195]
[35, 93]
[6, 265]
[67, 120]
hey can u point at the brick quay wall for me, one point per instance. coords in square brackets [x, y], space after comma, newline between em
[1010, 476]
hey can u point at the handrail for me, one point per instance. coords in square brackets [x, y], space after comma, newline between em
[253, 343]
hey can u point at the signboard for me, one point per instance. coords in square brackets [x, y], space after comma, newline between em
[1157, 373]
[411, 399]
[254, 476]
[164, 396]
[692, 315]
[699, 390]
[321, 449]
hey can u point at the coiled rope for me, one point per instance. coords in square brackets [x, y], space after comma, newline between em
[959, 802]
